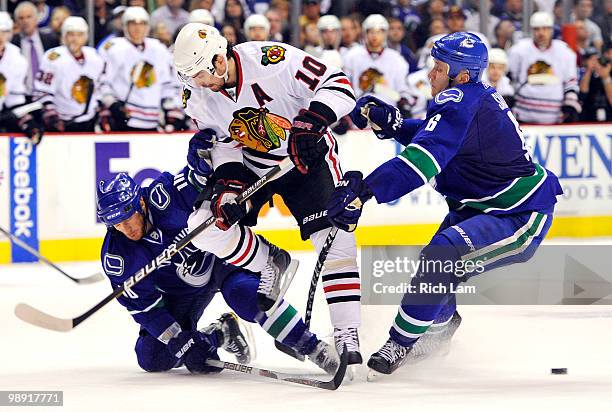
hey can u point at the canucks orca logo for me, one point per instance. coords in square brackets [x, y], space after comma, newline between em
[449, 95]
[467, 43]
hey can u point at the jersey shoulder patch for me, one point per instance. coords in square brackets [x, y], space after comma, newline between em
[449, 95]
[159, 197]
[108, 44]
[186, 96]
[114, 265]
[272, 54]
[53, 55]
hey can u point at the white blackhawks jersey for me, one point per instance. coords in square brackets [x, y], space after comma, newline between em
[274, 81]
[142, 77]
[544, 80]
[68, 83]
[420, 87]
[382, 75]
[13, 70]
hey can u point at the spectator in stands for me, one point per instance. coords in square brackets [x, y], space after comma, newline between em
[114, 29]
[437, 27]
[311, 38]
[544, 74]
[233, 37]
[584, 11]
[257, 28]
[32, 42]
[406, 14]
[496, 75]
[103, 13]
[595, 87]
[513, 11]
[277, 32]
[455, 21]
[137, 3]
[396, 40]
[434, 10]
[58, 16]
[160, 32]
[350, 31]
[172, 14]
[504, 35]
[283, 8]
[472, 22]
[311, 11]
[582, 36]
[202, 4]
[604, 21]
[43, 13]
[234, 15]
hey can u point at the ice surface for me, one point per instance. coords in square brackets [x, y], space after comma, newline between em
[500, 359]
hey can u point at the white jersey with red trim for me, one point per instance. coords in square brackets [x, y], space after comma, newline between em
[68, 83]
[13, 70]
[544, 80]
[252, 120]
[142, 77]
[383, 75]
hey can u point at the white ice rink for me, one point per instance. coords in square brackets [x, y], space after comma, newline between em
[500, 359]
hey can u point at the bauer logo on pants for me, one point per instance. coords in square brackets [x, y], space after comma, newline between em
[23, 197]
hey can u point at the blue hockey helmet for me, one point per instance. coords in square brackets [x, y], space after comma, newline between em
[462, 51]
[118, 199]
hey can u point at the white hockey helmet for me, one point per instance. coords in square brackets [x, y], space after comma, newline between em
[201, 16]
[375, 21]
[541, 19]
[195, 49]
[498, 56]
[74, 24]
[6, 23]
[256, 20]
[136, 14]
[328, 22]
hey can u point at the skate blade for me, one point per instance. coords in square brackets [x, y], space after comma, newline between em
[289, 275]
[373, 376]
[247, 331]
[351, 372]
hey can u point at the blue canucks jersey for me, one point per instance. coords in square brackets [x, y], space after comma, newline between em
[169, 201]
[471, 150]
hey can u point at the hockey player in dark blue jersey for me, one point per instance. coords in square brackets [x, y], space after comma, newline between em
[471, 150]
[142, 222]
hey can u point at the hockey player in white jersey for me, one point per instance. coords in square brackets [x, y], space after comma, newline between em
[261, 102]
[13, 70]
[68, 80]
[139, 89]
[545, 75]
[496, 75]
[377, 70]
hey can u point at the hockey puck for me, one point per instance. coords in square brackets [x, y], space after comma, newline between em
[558, 371]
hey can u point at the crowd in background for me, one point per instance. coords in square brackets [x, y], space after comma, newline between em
[382, 45]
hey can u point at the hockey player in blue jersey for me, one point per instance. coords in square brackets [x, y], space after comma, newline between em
[142, 222]
[471, 150]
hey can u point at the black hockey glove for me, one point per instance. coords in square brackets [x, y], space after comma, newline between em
[32, 128]
[570, 114]
[194, 348]
[223, 203]
[307, 144]
[119, 116]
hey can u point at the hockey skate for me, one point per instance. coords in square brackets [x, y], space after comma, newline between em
[234, 337]
[388, 358]
[275, 278]
[350, 338]
[325, 357]
[436, 341]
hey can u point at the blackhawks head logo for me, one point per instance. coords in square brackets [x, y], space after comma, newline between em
[81, 89]
[272, 54]
[143, 75]
[541, 73]
[369, 79]
[2, 85]
[258, 129]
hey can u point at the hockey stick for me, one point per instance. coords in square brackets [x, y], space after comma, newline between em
[314, 281]
[90, 279]
[331, 385]
[41, 319]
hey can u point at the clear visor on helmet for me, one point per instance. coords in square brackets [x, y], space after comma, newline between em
[190, 80]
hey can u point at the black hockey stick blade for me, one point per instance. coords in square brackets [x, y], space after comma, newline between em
[331, 385]
[288, 350]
